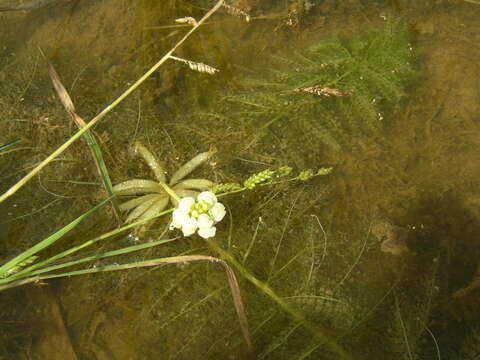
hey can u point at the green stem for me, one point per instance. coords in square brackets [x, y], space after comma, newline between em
[46, 242]
[322, 334]
[27, 271]
[170, 191]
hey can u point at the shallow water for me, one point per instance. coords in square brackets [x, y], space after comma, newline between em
[319, 244]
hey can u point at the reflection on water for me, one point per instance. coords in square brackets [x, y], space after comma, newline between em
[382, 249]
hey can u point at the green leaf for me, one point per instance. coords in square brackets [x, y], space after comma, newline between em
[48, 241]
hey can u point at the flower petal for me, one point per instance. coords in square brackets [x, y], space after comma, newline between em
[186, 203]
[217, 212]
[208, 197]
[207, 232]
[189, 227]
[179, 217]
[204, 221]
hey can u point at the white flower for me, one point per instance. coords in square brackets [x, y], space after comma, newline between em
[201, 215]
[205, 226]
[186, 203]
[178, 218]
[181, 218]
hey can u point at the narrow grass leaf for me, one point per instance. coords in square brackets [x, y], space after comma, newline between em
[232, 280]
[104, 255]
[25, 272]
[48, 241]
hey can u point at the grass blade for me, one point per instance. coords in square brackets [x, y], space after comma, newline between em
[48, 241]
[25, 272]
[104, 255]
[6, 146]
[232, 280]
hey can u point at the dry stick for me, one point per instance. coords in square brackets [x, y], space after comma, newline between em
[105, 111]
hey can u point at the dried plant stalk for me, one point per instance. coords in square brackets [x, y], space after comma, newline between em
[67, 103]
[197, 66]
[468, 290]
[235, 11]
[323, 91]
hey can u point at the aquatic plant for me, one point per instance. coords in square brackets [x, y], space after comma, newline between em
[28, 267]
[154, 197]
[108, 108]
[335, 90]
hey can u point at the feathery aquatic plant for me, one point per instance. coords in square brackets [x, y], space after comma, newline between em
[335, 90]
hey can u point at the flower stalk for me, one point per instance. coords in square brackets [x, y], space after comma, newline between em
[170, 191]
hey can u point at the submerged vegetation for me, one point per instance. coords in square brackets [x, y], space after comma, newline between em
[315, 277]
[154, 198]
[34, 265]
[335, 90]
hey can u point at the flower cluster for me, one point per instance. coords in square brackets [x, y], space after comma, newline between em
[201, 215]
[226, 187]
[258, 178]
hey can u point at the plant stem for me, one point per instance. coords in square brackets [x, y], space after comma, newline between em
[170, 191]
[27, 271]
[318, 331]
[105, 111]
